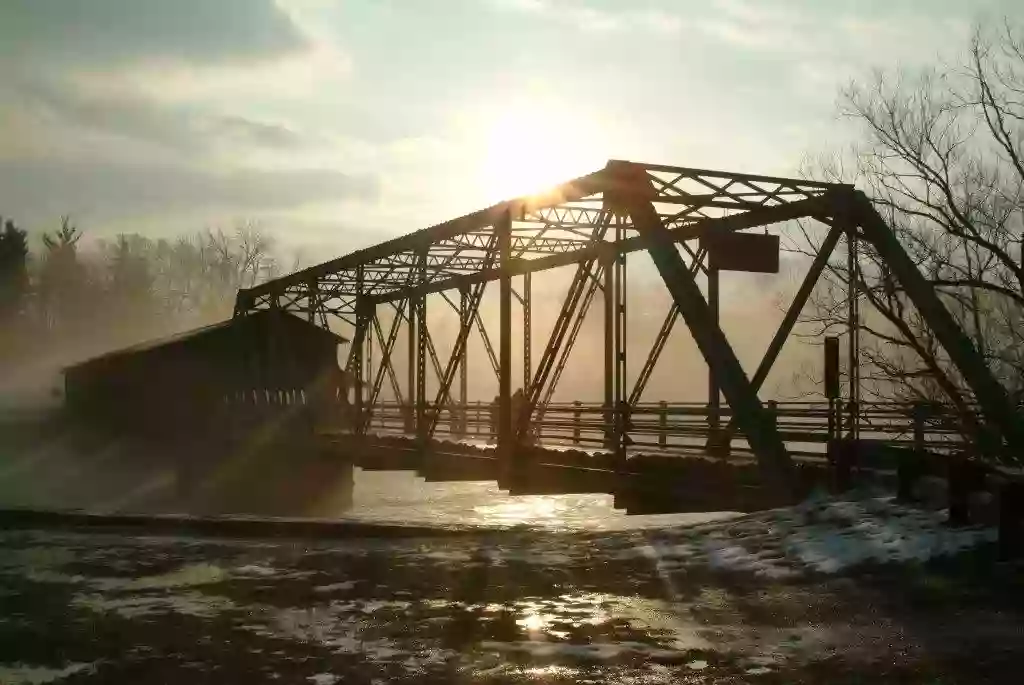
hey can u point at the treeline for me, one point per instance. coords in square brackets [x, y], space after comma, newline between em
[63, 298]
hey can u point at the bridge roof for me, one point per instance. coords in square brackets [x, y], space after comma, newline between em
[203, 333]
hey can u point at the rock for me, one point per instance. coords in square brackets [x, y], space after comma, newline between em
[932, 492]
[984, 508]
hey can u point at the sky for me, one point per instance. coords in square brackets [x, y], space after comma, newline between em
[340, 123]
[336, 124]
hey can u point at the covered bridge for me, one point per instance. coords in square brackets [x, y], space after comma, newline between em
[251, 368]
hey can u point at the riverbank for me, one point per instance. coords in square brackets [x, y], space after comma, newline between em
[830, 591]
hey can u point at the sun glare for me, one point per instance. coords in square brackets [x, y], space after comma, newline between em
[531, 147]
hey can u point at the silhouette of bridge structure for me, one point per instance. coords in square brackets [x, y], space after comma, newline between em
[694, 224]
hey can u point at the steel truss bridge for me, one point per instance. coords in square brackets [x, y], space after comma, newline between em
[592, 224]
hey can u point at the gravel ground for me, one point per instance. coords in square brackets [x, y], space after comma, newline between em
[806, 595]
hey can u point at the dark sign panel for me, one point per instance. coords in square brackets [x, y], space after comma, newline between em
[754, 252]
[832, 367]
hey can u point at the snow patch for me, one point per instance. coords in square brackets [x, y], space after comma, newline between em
[334, 587]
[187, 604]
[323, 679]
[823, 536]
[23, 674]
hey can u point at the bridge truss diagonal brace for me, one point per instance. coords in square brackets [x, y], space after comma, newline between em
[773, 458]
[997, 410]
[387, 349]
[661, 339]
[577, 293]
[476, 293]
[825, 251]
[581, 290]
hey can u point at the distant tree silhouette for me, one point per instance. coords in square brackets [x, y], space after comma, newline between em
[14, 286]
[14, 281]
[74, 299]
[64, 288]
[130, 302]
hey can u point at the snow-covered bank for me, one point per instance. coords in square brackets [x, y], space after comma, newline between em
[822, 535]
[742, 598]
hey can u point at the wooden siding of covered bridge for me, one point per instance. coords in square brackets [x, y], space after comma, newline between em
[206, 379]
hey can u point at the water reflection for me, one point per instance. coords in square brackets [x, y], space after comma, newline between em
[551, 672]
[404, 497]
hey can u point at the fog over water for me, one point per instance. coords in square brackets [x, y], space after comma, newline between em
[58, 468]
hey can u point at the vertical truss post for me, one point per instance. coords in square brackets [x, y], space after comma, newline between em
[371, 325]
[465, 321]
[410, 413]
[313, 299]
[714, 395]
[609, 292]
[632, 190]
[620, 417]
[503, 228]
[852, 332]
[527, 333]
[358, 346]
[422, 342]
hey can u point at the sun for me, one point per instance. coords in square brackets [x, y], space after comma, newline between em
[529, 147]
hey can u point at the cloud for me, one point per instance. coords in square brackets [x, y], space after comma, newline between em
[256, 132]
[114, 190]
[588, 18]
[523, 5]
[110, 32]
[167, 118]
[59, 110]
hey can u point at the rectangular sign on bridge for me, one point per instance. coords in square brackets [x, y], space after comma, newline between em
[751, 252]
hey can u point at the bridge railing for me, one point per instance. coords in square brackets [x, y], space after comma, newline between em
[685, 426]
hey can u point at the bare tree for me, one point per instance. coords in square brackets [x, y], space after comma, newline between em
[940, 153]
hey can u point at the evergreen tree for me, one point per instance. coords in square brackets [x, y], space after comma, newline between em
[14, 282]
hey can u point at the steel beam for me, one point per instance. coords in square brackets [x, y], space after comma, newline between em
[421, 357]
[527, 330]
[735, 222]
[825, 251]
[420, 240]
[592, 285]
[852, 332]
[435, 362]
[387, 347]
[997, 411]
[661, 339]
[411, 337]
[386, 350]
[488, 347]
[446, 377]
[609, 348]
[583, 282]
[313, 300]
[619, 418]
[764, 439]
[465, 320]
[714, 396]
[503, 229]
[359, 390]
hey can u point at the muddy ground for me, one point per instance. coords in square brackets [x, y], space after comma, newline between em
[506, 606]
